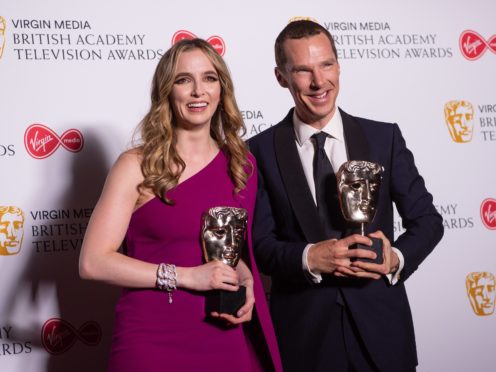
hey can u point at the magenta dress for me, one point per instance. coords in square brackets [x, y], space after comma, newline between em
[152, 335]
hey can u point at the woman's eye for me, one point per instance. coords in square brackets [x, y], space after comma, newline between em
[180, 81]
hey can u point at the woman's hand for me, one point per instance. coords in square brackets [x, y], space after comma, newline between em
[212, 275]
[244, 314]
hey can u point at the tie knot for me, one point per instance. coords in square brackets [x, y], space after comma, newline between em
[320, 139]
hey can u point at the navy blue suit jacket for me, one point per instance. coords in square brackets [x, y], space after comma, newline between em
[286, 220]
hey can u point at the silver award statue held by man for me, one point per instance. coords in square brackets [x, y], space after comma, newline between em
[359, 182]
[223, 237]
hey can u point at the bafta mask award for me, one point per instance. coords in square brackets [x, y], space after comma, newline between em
[358, 190]
[223, 237]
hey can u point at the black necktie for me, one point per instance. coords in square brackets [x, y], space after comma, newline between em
[326, 188]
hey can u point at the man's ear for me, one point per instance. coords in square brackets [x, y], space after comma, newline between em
[280, 78]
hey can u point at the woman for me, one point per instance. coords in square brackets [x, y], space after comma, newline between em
[190, 159]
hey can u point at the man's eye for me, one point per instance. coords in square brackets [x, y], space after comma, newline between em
[356, 185]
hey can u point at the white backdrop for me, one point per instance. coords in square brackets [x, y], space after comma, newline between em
[86, 66]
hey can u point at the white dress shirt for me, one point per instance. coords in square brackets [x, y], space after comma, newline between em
[335, 149]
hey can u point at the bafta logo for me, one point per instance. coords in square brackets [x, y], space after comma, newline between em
[481, 291]
[11, 230]
[459, 117]
[3, 27]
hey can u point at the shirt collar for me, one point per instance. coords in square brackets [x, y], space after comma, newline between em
[333, 128]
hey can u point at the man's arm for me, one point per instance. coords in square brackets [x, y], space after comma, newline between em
[423, 224]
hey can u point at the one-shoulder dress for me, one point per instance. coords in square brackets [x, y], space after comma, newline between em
[150, 334]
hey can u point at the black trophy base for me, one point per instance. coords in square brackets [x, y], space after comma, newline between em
[225, 302]
[375, 247]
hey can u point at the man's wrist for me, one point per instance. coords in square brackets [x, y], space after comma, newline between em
[316, 277]
[396, 263]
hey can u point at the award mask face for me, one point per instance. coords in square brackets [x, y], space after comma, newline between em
[11, 230]
[481, 291]
[223, 234]
[358, 188]
[459, 117]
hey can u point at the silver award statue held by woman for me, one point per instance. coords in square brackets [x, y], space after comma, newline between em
[359, 182]
[223, 237]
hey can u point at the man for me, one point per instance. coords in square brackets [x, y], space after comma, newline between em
[331, 311]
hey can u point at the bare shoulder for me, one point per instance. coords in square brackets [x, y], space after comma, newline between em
[128, 165]
[125, 175]
[128, 171]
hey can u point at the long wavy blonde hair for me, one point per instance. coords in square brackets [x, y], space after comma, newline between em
[161, 164]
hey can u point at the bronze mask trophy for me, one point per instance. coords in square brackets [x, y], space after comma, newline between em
[358, 190]
[223, 237]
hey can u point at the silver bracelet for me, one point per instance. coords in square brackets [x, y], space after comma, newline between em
[167, 278]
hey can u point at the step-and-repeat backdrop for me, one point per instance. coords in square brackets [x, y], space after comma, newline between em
[75, 81]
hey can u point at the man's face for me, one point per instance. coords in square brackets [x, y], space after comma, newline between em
[311, 74]
[223, 238]
[482, 293]
[358, 194]
[11, 233]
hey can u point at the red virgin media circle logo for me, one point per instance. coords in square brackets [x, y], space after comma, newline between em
[41, 142]
[473, 45]
[488, 213]
[58, 336]
[216, 41]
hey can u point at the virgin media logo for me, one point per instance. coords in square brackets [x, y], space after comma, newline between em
[58, 336]
[215, 41]
[41, 142]
[473, 45]
[488, 213]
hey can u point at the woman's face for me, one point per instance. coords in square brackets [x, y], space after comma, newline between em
[196, 91]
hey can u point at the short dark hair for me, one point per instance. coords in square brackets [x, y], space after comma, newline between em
[298, 30]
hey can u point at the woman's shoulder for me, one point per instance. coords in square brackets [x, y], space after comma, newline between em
[128, 165]
[130, 158]
[251, 167]
[252, 161]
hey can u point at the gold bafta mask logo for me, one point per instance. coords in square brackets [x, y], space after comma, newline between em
[459, 116]
[11, 230]
[3, 27]
[481, 290]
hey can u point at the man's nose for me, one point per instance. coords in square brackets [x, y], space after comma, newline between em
[317, 79]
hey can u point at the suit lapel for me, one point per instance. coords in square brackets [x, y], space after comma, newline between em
[295, 182]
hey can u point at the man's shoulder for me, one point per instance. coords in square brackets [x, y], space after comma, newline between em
[366, 122]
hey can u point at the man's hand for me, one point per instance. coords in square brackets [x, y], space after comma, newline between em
[391, 260]
[335, 257]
